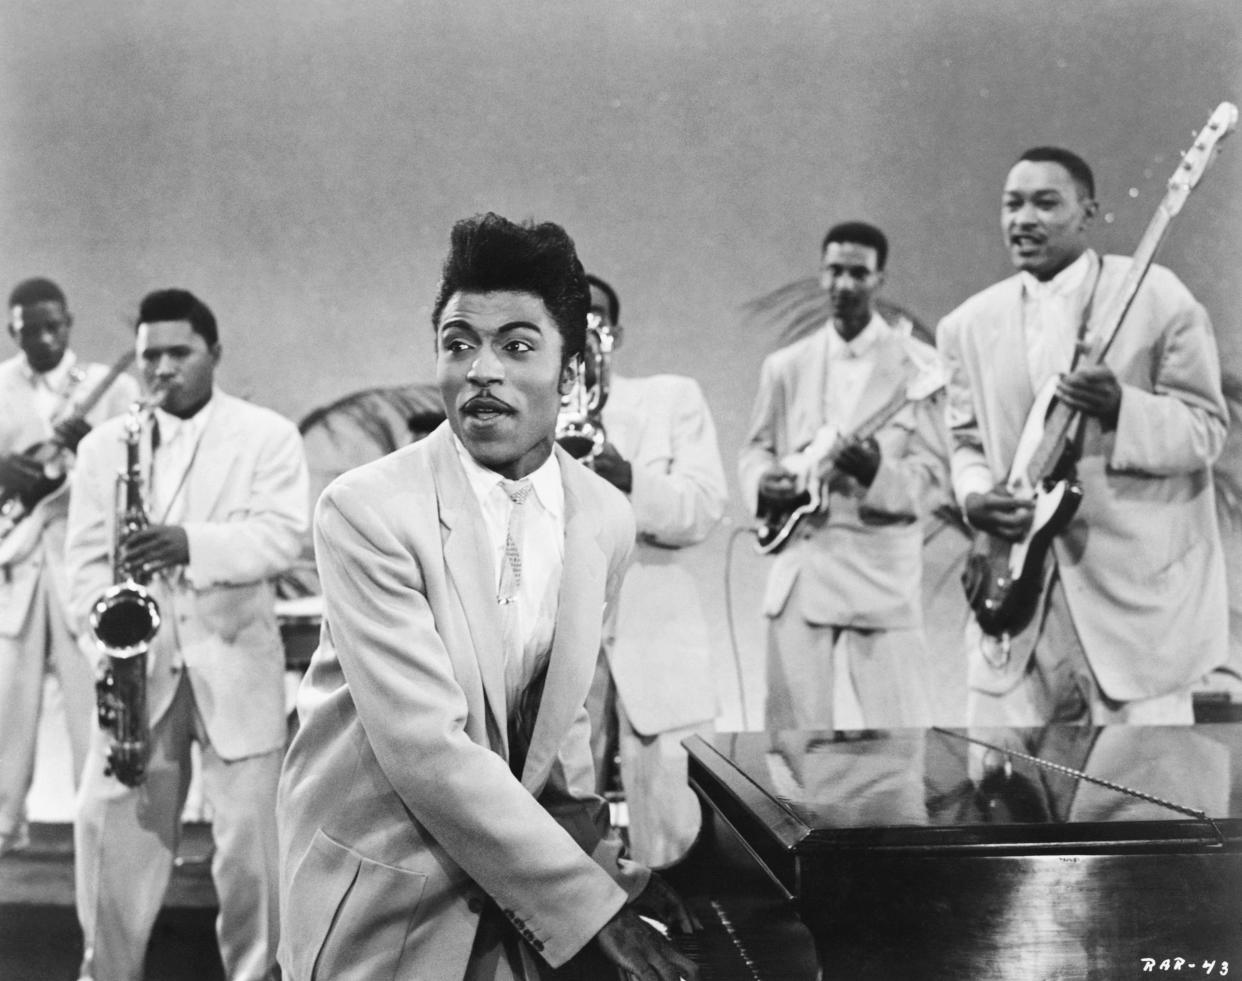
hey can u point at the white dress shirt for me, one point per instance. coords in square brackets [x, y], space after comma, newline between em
[52, 389]
[542, 549]
[171, 486]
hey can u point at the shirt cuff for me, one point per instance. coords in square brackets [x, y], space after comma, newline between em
[971, 475]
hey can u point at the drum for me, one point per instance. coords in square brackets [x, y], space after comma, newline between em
[299, 621]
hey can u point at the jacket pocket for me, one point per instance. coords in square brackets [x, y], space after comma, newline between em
[352, 914]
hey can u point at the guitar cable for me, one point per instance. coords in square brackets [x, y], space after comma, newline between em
[730, 617]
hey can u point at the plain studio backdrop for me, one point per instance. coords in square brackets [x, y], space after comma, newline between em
[298, 164]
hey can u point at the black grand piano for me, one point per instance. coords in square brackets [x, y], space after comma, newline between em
[1054, 853]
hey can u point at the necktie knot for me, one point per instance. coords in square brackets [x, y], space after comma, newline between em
[518, 490]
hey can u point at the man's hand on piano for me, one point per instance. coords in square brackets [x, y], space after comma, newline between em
[640, 952]
[660, 901]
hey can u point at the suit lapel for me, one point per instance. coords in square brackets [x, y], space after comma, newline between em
[808, 404]
[892, 369]
[212, 463]
[580, 606]
[467, 560]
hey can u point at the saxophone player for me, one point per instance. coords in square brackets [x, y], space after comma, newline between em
[225, 494]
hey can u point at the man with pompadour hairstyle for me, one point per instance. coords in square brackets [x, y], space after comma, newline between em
[437, 809]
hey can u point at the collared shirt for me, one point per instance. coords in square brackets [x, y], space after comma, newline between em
[542, 549]
[171, 486]
[850, 364]
[51, 388]
[1052, 315]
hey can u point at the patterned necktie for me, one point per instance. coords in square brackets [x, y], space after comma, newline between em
[519, 492]
[523, 697]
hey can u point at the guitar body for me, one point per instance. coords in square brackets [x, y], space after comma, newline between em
[1003, 579]
[777, 521]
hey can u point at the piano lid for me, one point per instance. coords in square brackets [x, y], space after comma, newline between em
[1114, 787]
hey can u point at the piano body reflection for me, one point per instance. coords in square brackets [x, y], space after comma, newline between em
[1063, 852]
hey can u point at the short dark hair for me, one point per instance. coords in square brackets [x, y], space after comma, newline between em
[614, 301]
[175, 304]
[1072, 162]
[37, 290]
[858, 233]
[489, 254]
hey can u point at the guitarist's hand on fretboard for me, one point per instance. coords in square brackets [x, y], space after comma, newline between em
[69, 432]
[859, 459]
[1094, 392]
[999, 513]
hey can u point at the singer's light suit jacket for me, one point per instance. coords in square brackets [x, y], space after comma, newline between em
[861, 567]
[398, 812]
[245, 520]
[39, 540]
[1141, 560]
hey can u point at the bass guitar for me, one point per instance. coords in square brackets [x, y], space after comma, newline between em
[54, 459]
[1004, 580]
[776, 520]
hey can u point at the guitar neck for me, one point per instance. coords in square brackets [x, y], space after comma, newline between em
[1062, 420]
[96, 393]
[867, 428]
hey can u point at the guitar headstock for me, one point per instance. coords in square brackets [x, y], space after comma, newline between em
[1199, 157]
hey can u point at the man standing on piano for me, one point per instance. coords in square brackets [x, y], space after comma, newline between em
[438, 815]
[845, 639]
[1132, 605]
[42, 394]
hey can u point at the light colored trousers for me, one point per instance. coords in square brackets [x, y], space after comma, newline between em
[43, 642]
[126, 839]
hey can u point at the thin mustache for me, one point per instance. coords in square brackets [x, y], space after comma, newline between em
[485, 401]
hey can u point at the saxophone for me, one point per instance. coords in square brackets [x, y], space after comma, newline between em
[124, 620]
[580, 425]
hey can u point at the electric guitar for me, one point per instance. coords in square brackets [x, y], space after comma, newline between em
[776, 521]
[55, 459]
[1003, 580]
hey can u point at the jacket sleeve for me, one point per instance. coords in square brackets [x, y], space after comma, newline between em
[414, 713]
[266, 538]
[88, 533]
[763, 445]
[1179, 426]
[968, 466]
[678, 500]
[912, 478]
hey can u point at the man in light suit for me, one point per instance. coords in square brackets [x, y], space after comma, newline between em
[845, 640]
[654, 687]
[225, 484]
[43, 391]
[1133, 606]
[437, 809]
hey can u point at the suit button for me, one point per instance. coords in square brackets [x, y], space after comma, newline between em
[538, 945]
[474, 904]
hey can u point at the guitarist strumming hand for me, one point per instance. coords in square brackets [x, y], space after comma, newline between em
[1099, 589]
[43, 392]
[844, 452]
